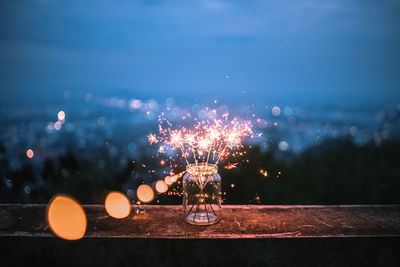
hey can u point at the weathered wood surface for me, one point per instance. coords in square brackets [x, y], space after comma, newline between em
[238, 222]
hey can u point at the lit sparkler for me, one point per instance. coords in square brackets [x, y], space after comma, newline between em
[203, 144]
[206, 142]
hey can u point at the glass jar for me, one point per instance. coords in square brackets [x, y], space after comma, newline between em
[202, 194]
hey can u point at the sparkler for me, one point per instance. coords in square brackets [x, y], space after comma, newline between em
[208, 141]
[203, 145]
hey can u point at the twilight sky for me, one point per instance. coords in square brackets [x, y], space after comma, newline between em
[310, 51]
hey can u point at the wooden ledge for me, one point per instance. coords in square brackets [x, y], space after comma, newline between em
[238, 222]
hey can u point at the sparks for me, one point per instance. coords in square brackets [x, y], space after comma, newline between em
[152, 139]
[231, 166]
[206, 141]
[263, 172]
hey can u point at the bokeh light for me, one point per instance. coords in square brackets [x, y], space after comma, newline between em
[288, 111]
[276, 111]
[66, 218]
[174, 178]
[135, 104]
[29, 153]
[283, 145]
[145, 193]
[161, 186]
[57, 125]
[168, 180]
[61, 115]
[117, 205]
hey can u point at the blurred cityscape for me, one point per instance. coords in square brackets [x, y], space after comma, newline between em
[87, 145]
[82, 86]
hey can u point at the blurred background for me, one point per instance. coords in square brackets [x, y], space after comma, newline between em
[82, 84]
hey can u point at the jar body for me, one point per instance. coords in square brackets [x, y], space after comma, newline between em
[202, 194]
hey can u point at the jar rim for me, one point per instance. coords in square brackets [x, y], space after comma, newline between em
[202, 169]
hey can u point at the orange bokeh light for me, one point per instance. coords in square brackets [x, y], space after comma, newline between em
[117, 205]
[174, 178]
[66, 218]
[145, 193]
[161, 186]
[168, 180]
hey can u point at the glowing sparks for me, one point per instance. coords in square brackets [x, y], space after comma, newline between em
[263, 172]
[231, 166]
[206, 141]
[203, 143]
[190, 139]
[208, 138]
[152, 139]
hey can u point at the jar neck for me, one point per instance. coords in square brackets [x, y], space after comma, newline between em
[202, 169]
